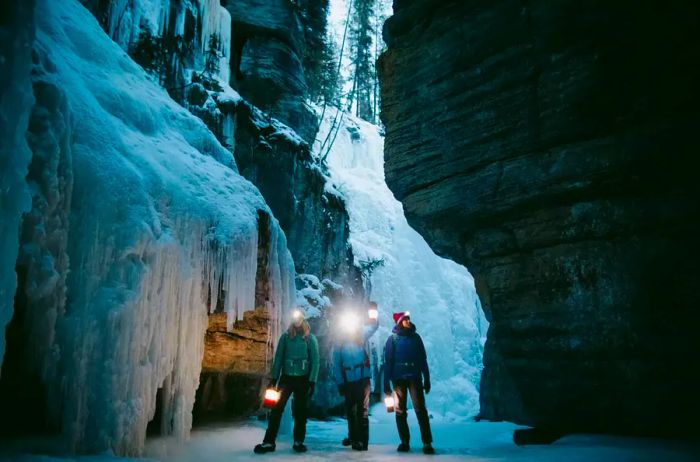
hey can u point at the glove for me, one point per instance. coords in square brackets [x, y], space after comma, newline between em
[341, 389]
[312, 386]
[426, 386]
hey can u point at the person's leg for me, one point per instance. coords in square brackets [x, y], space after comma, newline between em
[351, 406]
[348, 414]
[301, 395]
[273, 425]
[363, 412]
[400, 389]
[418, 399]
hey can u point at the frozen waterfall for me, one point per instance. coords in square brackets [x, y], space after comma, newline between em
[157, 224]
[439, 293]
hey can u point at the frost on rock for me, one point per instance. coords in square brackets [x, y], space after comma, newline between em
[439, 293]
[160, 226]
[314, 296]
[194, 20]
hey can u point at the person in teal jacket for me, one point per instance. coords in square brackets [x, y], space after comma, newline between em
[295, 368]
[352, 375]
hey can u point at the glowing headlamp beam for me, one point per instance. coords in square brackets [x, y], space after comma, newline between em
[350, 322]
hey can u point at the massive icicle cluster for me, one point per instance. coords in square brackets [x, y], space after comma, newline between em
[160, 225]
[126, 19]
[439, 293]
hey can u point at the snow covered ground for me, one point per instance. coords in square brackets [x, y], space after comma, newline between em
[465, 441]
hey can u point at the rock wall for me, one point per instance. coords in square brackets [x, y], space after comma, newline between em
[548, 147]
[267, 46]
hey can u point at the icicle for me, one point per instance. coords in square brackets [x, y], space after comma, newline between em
[160, 223]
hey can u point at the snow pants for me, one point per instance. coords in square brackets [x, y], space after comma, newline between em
[357, 408]
[415, 388]
[299, 386]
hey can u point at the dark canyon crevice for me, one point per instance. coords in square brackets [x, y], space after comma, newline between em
[549, 147]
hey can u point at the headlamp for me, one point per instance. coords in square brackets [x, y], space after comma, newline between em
[349, 322]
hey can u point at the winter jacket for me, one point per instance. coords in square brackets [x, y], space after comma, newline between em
[351, 360]
[296, 357]
[404, 356]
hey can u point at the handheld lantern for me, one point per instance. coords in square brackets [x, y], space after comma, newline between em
[271, 397]
[373, 313]
[389, 403]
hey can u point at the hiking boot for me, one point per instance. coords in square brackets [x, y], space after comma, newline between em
[357, 446]
[263, 448]
[403, 447]
[346, 442]
[299, 446]
[428, 449]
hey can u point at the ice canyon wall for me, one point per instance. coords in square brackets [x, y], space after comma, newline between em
[548, 146]
[138, 225]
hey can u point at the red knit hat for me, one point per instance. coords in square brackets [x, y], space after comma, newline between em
[399, 316]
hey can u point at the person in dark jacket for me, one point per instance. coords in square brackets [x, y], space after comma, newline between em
[406, 368]
[295, 368]
[352, 375]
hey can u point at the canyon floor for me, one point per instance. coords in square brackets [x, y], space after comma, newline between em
[467, 441]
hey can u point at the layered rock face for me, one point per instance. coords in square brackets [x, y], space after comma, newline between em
[548, 147]
[235, 365]
[266, 65]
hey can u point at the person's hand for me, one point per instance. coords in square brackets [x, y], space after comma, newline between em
[341, 389]
[426, 386]
[312, 387]
[387, 390]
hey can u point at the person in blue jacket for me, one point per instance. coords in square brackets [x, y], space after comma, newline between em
[352, 374]
[406, 367]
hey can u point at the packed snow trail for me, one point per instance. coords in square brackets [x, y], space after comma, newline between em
[464, 441]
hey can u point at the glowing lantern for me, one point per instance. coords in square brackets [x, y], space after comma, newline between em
[297, 314]
[389, 403]
[373, 313]
[271, 397]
